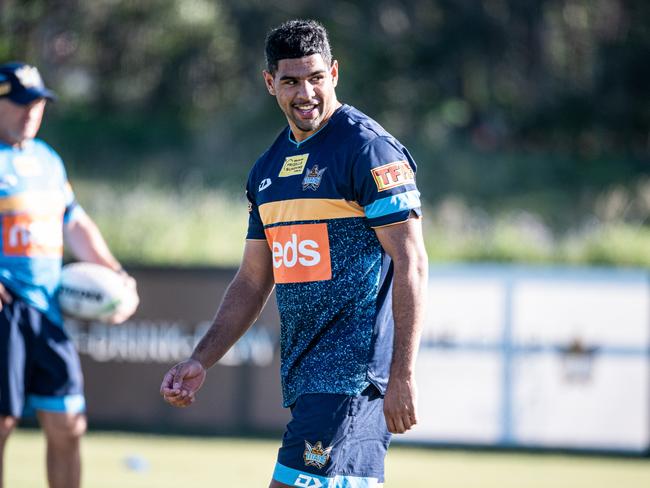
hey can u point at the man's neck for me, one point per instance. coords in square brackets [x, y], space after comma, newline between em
[15, 144]
[303, 138]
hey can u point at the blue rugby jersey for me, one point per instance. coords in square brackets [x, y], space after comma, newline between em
[316, 203]
[35, 201]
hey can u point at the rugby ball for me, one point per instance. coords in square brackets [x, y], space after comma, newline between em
[90, 291]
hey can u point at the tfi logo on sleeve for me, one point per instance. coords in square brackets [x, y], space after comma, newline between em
[300, 253]
[393, 174]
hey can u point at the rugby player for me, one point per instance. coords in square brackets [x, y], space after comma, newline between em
[335, 226]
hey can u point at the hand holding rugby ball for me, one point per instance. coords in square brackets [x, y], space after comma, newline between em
[90, 291]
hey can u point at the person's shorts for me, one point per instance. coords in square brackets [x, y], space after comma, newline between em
[39, 366]
[334, 441]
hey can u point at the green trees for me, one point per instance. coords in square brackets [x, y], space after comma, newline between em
[541, 105]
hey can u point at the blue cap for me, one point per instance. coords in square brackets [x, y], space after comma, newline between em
[22, 84]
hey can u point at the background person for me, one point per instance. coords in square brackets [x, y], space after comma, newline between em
[39, 367]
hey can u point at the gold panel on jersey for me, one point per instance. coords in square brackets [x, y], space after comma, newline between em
[309, 209]
[33, 202]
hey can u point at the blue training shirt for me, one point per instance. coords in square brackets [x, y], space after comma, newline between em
[35, 200]
[316, 203]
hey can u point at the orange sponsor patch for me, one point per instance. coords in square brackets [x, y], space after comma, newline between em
[393, 174]
[32, 235]
[301, 253]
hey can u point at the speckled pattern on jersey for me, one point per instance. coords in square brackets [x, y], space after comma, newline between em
[35, 200]
[316, 204]
[336, 317]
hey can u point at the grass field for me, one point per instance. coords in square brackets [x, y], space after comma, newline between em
[138, 461]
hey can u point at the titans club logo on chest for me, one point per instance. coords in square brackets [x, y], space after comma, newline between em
[312, 179]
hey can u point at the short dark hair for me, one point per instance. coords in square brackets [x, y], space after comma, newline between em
[296, 39]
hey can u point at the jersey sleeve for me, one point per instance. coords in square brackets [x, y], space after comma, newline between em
[384, 182]
[255, 226]
[72, 208]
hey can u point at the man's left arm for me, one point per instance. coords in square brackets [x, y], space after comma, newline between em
[84, 240]
[405, 245]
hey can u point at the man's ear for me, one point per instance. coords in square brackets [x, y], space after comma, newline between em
[268, 81]
[334, 72]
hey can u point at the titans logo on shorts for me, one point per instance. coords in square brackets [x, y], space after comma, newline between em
[334, 441]
[316, 204]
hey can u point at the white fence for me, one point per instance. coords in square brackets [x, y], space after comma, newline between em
[526, 357]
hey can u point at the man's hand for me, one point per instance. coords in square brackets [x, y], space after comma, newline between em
[132, 306]
[400, 405]
[180, 384]
[5, 296]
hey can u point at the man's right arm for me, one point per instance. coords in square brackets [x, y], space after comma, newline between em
[241, 305]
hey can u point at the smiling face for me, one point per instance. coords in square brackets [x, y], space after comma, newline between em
[20, 123]
[305, 91]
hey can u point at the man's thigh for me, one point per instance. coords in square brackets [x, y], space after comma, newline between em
[13, 361]
[39, 366]
[334, 439]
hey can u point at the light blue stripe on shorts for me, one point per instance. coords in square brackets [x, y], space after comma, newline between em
[64, 404]
[293, 477]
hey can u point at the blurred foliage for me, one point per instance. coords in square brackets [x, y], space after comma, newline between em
[537, 106]
[175, 225]
[188, 225]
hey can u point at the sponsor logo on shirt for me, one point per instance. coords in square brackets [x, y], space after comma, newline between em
[312, 179]
[393, 174]
[294, 165]
[315, 455]
[32, 235]
[300, 253]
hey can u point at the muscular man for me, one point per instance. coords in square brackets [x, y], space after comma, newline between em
[335, 226]
[39, 367]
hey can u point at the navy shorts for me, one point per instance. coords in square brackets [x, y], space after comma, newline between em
[334, 441]
[39, 366]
